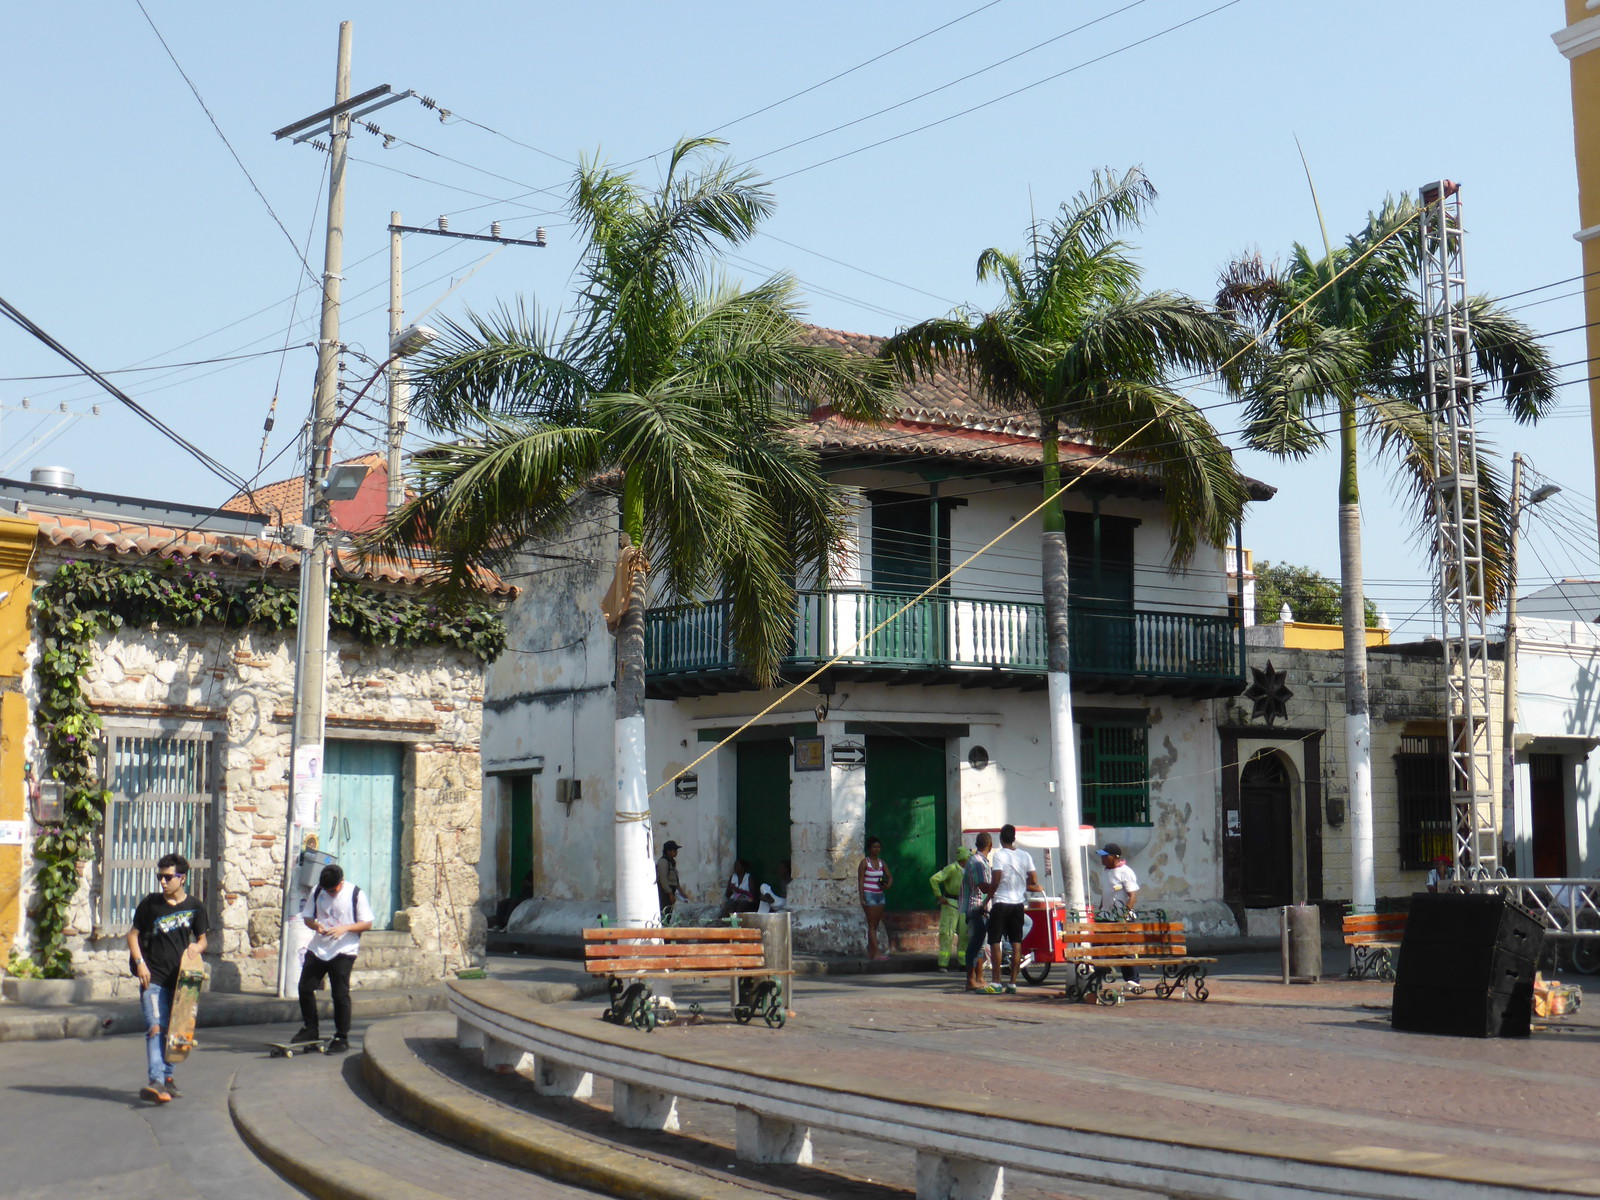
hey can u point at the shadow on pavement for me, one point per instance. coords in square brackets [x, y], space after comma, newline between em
[72, 1092]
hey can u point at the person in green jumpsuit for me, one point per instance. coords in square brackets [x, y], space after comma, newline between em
[952, 921]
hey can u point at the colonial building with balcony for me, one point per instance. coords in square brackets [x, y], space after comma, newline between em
[903, 716]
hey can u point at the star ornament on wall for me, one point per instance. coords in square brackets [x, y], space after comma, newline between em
[1269, 694]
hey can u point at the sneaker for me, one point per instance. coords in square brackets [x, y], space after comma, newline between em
[154, 1094]
[1011, 989]
[989, 989]
[171, 1088]
[306, 1034]
[1134, 988]
[338, 1045]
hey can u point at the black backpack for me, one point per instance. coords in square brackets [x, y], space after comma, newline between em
[355, 902]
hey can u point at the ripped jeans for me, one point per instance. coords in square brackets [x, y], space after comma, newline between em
[155, 1002]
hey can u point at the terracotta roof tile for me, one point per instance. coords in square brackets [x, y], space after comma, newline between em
[233, 550]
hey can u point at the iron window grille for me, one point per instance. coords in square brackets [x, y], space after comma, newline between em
[1114, 760]
[1422, 779]
[166, 798]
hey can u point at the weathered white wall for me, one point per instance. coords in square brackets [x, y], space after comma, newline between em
[1558, 712]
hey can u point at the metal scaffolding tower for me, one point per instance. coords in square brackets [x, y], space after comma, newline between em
[1447, 355]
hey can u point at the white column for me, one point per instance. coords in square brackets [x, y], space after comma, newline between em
[558, 1080]
[942, 1178]
[504, 1057]
[768, 1140]
[635, 1107]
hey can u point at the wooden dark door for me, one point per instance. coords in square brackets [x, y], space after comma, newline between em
[1266, 792]
[1548, 801]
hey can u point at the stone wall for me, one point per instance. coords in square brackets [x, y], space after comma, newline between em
[240, 684]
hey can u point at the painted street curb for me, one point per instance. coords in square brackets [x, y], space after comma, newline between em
[409, 1087]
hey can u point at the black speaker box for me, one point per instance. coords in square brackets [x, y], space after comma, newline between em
[1466, 966]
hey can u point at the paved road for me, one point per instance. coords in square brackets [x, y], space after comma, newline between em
[73, 1125]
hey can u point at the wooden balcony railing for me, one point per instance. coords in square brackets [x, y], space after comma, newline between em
[950, 633]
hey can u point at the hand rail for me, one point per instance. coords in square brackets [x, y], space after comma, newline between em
[953, 632]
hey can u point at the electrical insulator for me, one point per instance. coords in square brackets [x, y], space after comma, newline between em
[444, 224]
[538, 235]
[494, 229]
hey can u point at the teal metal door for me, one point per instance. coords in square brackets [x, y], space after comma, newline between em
[762, 811]
[361, 815]
[905, 810]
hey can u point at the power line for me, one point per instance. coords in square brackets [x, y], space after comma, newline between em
[199, 99]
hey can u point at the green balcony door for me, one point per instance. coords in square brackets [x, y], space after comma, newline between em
[361, 815]
[761, 810]
[905, 808]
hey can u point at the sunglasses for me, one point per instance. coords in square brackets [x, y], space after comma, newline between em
[167, 876]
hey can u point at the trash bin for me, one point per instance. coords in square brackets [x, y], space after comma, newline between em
[1302, 943]
[777, 951]
[309, 869]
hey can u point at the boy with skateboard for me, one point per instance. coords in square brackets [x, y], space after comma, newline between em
[167, 924]
[338, 914]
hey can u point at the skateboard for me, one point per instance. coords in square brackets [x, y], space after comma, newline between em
[290, 1049]
[185, 1006]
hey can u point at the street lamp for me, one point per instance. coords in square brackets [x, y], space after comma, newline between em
[325, 485]
[1508, 714]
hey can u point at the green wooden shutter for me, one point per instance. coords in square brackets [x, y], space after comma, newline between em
[1115, 764]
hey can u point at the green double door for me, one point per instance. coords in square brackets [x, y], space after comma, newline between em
[361, 819]
[906, 811]
[762, 810]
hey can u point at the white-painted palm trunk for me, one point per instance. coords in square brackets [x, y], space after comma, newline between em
[1063, 748]
[636, 880]
[1357, 719]
[1064, 776]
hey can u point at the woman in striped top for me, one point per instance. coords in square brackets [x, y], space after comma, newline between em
[873, 879]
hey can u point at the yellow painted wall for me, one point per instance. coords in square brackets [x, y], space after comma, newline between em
[1305, 635]
[17, 542]
[1584, 62]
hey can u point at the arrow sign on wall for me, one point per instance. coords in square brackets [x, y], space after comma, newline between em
[849, 754]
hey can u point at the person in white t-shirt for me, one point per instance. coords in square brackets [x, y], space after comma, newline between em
[1017, 878]
[338, 914]
[1119, 893]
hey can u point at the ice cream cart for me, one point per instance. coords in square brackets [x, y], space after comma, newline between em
[1044, 916]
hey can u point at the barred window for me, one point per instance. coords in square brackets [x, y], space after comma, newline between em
[164, 800]
[1114, 760]
[1422, 777]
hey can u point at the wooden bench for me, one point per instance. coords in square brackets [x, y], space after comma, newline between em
[630, 958]
[1096, 948]
[1373, 938]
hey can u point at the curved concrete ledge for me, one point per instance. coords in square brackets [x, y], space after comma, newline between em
[426, 1098]
[961, 1139]
[283, 1144]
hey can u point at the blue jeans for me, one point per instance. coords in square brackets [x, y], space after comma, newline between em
[977, 931]
[155, 1002]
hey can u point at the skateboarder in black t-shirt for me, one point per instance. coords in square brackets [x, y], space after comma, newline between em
[165, 924]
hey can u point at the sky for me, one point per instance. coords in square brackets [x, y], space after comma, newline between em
[148, 227]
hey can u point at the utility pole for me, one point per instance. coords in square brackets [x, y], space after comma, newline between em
[399, 389]
[1508, 713]
[311, 650]
[1508, 676]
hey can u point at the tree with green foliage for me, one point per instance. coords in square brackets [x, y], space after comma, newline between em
[1077, 343]
[1310, 595]
[1341, 335]
[688, 392]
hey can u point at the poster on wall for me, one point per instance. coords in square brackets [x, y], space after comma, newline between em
[307, 785]
[10, 833]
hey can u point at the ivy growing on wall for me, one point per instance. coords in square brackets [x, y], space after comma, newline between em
[86, 598]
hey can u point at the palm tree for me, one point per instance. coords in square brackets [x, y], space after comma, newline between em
[1078, 344]
[1342, 334]
[683, 389]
